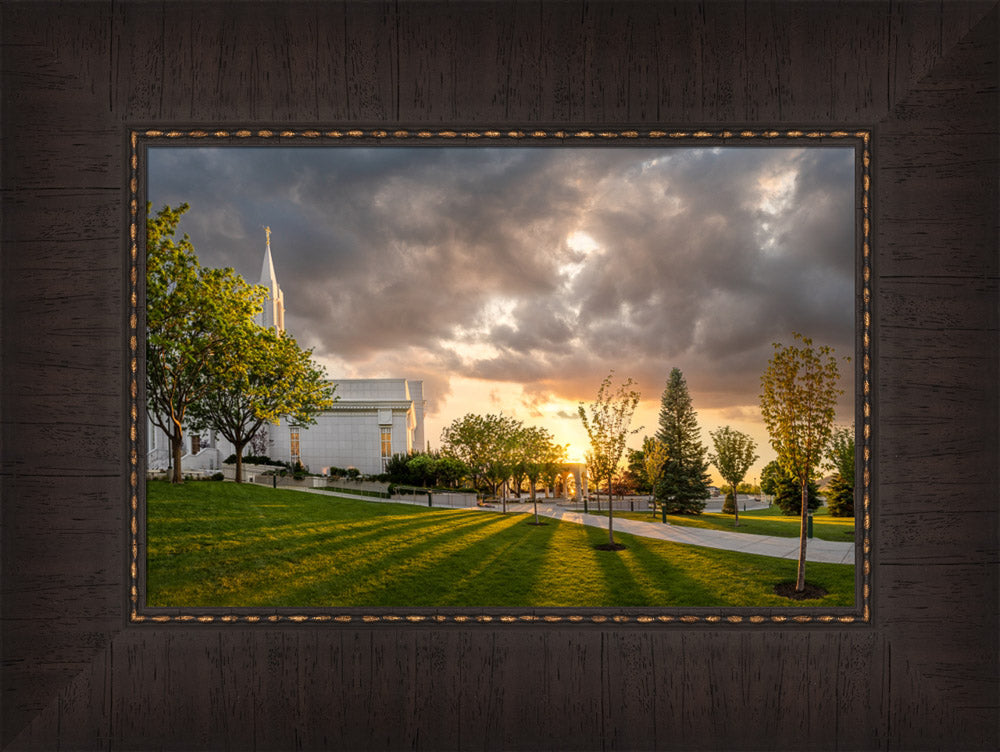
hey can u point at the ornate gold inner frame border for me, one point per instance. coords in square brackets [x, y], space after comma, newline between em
[140, 138]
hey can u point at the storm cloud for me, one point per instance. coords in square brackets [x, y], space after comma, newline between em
[541, 268]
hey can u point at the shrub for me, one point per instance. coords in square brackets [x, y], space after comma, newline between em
[252, 459]
[686, 505]
[729, 505]
[789, 496]
[840, 497]
[396, 469]
[218, 476]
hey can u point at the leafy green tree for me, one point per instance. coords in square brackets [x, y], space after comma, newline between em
[634, 458]
[607, 427]
[450, 471]
[770, 476]
[467, 440]
[536, 448]
[503, 432]
[260, 377]
[734, 453]
[422, 469]
[193, 316]
[654, 462]
[683, 485]
[487, 444]
[797, 402]
[840, 457]
[553, 462]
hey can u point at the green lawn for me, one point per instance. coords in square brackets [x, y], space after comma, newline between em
[757, 522]
[227, 544]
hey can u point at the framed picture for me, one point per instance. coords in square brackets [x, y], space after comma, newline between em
[468, 290]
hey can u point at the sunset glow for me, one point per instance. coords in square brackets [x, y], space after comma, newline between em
[514, 279]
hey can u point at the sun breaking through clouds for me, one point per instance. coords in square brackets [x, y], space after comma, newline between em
[514, 279]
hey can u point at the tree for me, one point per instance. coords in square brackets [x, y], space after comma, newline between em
[552, 465]
[422, 469]
[797, 402]
[770, 476]
[536, 450]
[840, 456]
[487, 444]
[261, 376]
[683, 486]
[654, 460]
[397, 469]
[734, 453]
[502, 432]
[450, 471]
[607, 427]
[193, 315]
[788, 496]
[466, 440]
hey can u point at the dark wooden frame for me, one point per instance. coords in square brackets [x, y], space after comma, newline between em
[78, 674]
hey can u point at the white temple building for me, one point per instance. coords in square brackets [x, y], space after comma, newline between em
[371, 420]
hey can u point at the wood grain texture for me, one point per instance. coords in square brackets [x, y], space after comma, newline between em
[77, 675]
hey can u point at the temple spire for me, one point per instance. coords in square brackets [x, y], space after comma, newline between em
[273, 314]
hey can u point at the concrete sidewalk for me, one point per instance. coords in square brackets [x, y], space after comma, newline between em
[832, 552]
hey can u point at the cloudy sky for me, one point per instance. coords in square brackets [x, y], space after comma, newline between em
[514, 279]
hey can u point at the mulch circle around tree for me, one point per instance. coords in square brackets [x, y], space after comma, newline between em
[610, 546]
[787, 590]
[537, 523]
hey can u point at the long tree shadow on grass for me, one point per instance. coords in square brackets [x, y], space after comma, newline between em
[325, 572]
[685, 565]
[418, 575]
[618, 576]
[268, 541]
[677, 586]
[224, 569]
[498, 571]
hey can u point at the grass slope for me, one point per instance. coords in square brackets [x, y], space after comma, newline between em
[226, 544]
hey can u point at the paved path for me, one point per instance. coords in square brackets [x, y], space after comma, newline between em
[833, 552]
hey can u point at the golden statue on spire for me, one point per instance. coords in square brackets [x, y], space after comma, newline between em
[267, 231]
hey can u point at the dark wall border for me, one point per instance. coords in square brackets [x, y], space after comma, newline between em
[78, 675]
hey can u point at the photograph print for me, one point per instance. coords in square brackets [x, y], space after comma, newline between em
[505, 376]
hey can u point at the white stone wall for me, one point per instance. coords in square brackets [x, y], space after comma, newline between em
[347, 436]
[416, 390]
[214, 448]
[342, 439]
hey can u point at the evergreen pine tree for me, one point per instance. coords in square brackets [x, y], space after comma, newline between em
[683, 486]
[788, 496]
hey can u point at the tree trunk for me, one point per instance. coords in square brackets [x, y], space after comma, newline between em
[800, 583]
[736, 508]
[239, 461]
[611, 515]
[176, 445]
